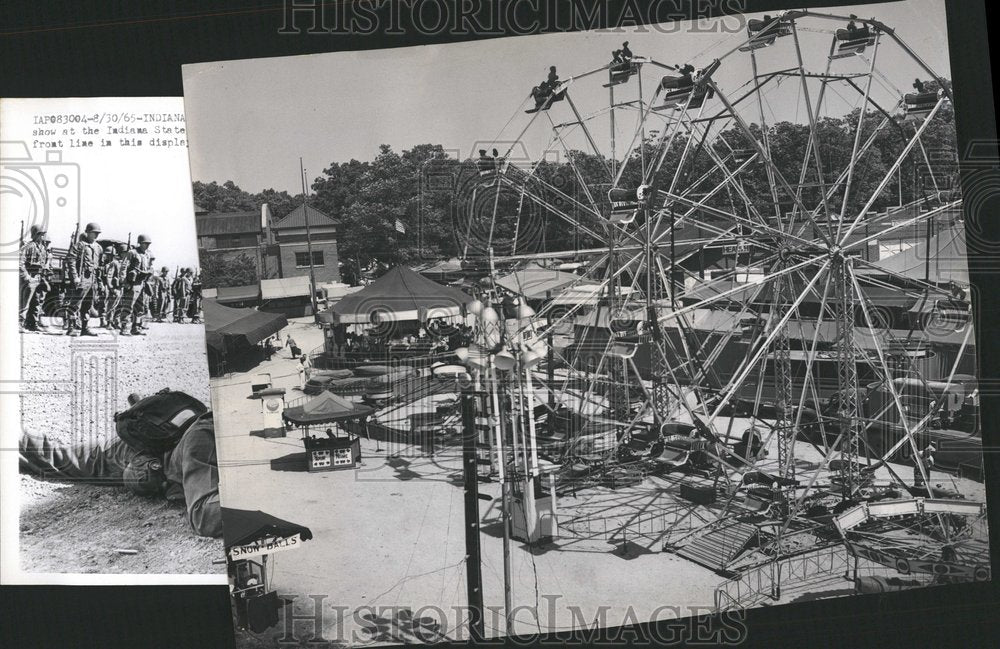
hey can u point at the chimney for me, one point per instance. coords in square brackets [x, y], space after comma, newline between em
[265, 223]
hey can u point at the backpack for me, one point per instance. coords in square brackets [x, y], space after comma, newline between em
[155, 424]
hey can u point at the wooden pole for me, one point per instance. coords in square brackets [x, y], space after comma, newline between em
[309, 249]
[473, 555]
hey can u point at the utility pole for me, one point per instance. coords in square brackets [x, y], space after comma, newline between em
[470, 474]
[309, 249]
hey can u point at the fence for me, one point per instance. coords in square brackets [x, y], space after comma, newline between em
[761, 583]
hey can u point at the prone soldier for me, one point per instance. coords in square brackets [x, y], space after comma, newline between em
[82, 263]
[33, 267]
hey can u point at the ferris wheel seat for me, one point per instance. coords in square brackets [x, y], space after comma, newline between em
[846, 49]
[487, 166]
[690, 97]
[919, 104]
[757, 43]
[858, 34]
[741, 156]
[764, 32]
[544, 101]
[623, 216]
[620, 73]
[768, 27]
[676, 83]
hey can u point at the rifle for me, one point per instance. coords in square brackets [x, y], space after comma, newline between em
[73, 256]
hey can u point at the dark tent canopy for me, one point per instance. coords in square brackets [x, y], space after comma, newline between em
[244, 526]
[227, 329]
[400, 294]
[324, 409]
[236, 294]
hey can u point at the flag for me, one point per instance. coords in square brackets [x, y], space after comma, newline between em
[400, 226]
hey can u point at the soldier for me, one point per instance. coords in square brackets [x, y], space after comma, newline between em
[137, 274]
[161, 294]
[181, 293]
[33, 263]
[188, 472]
[149, 296]
[104, 271]
[83, 260]
[113, 277]
[194, 302]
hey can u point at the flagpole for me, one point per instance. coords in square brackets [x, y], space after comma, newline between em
[309, 248]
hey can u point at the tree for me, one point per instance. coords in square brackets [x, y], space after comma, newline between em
[226, 197]
[219, 270]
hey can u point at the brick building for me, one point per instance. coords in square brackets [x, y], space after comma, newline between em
[278, 247]
[290, 238]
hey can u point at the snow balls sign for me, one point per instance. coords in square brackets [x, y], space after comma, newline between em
[264, 546]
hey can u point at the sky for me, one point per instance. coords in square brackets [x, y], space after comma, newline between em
[249, 121]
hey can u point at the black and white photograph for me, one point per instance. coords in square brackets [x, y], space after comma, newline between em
[565, 331]
[110, 466]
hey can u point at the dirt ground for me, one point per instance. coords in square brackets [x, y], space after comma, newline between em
[387, 558]
[386, 563]
[73, 388]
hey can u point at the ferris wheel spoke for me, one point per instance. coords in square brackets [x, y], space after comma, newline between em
[891, 171]
[758, 228]
[889, 385]
[892, 227]
[766, 157]
[857, 138]
[737, 381]
[813, 136]
[869, 143]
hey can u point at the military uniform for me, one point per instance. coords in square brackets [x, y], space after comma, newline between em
[137, 268]
[83, 260]
[161, 293]
[191, 469]
[194, 301]
[113, 291]
[182, 293]
[32, 265]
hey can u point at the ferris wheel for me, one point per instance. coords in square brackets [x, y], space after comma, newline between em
[738, 256]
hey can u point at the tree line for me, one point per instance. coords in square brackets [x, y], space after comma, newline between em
[447, 210]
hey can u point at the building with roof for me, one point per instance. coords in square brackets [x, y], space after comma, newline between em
[293, 248]
[232, 234]
[280, 250]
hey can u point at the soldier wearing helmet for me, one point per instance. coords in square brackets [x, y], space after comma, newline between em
[161, 294]
[185, 472]
[194, 300]
[182, 294]
[107, 254]
[83, 261]
[138, 270]
[113, 284]
[32, 266]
